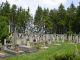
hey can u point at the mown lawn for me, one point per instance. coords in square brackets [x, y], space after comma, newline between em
[62, 52]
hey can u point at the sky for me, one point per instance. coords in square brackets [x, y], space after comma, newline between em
[33, 4]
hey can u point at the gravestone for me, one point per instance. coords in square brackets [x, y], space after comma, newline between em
[5, 45]
[53, 39]
[57, 37]
[50, 38]
[62, 38]
[73, 38]
[79, 38]
[65, 37]
[28, 44]
[76, 38]
[70, 37]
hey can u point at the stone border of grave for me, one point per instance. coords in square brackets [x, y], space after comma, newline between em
[2, 55]
[27, 49]
[13, 52]
[45, 47]
[56, 44]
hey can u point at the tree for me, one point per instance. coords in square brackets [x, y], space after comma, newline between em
[22, 17]
[3, 28]
[54, 19]
[46, 21]
[13, 18]
[16, 18]
[5, 9]
[39, 18]
[42, 20]
[77, 22]
[71, 18]
[61, 19]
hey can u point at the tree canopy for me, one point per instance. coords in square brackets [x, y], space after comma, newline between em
[59, 21]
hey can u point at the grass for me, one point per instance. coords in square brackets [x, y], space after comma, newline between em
[78, 46]
[64, 51]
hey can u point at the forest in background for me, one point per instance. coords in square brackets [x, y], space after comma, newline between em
[55, 21]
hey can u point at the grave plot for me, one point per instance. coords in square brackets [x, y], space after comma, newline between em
[11, 49]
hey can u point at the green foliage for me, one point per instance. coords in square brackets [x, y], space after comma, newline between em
[13, 16]
[61, 19]
[69, 32]
[39, 22]
[3, 28]
[42, 19]
[58, 21]
[71, 17]
[5, 9]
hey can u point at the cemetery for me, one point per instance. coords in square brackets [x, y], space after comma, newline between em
[39, 30]
[33, 43]
[20, 44]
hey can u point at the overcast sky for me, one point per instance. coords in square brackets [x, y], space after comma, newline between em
[32, 4]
